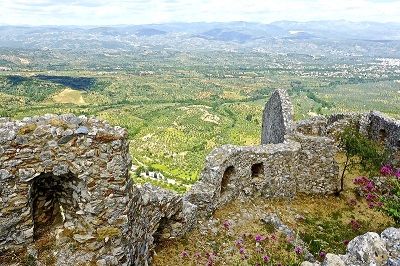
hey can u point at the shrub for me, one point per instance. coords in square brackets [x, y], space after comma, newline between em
[359, 150]
[384, 196]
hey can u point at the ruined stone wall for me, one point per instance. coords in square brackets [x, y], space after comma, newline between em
[231, 170]
[317, 171]
[75, 170]
[279, 170]
[375, 125]
[78, 163]
[277, 121]
[383, 129]
[156, 214]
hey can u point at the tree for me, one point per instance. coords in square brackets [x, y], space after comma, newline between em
[359, 150]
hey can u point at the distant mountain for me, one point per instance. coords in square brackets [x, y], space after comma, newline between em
[229, 31]
[340, 29]
[149, 32]
[223, 35]
[316, 37]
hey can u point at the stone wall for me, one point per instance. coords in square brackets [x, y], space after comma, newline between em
[277, 121]
[383, 129]
[374, 125]
[67, 176]
[231, 171]
[317, 171]
[156, 214]
[279, 170]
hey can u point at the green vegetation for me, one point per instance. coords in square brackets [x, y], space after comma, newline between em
[177, 106]
[361, 152]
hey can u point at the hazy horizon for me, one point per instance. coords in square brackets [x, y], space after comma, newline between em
[191, 22]
[141, 12]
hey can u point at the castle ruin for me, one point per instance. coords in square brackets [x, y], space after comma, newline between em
[69, 176]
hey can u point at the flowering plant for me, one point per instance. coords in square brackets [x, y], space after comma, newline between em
[386, 195]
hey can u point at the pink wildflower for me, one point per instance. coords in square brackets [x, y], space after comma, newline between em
[259, 238]
[242, 250]
[184, 254]
[227, 224]
[355, 225]
[386, 170]
[239, 242]
[298, 250]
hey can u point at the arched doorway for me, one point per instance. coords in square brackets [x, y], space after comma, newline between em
[226, 178]
[52, 201]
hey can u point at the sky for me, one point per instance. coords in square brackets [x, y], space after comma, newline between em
[114, 12]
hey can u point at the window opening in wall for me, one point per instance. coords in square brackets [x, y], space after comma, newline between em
[257, 170]
[226, 178]
[382, 135]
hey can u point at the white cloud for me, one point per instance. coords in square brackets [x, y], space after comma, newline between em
[105, 12]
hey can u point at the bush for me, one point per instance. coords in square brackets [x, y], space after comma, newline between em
[359, 150]
[384, 192]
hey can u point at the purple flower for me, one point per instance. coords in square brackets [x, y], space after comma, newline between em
[386, 170]
[361, 180]
[298, 250]
[322, 254]
[239, 242]
[242, 250]
[227, 224]
[184, 254]
[370, 196]
[211, 257]
[355, 225]
[346, 242]
[259, 238]
[266, 258]
[370, 186]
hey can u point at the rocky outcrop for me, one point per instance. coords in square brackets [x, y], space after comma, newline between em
[368, 249]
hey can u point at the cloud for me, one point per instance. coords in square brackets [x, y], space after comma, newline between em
[105, 12]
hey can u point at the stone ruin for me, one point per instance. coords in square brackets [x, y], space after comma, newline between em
[69, 176]
[277, 119]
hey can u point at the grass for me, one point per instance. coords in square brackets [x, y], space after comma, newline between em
[324, 223]
[69, 96]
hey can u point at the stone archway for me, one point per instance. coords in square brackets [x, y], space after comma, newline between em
[52, 201]
[226, 178]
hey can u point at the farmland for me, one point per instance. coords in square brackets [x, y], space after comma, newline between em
[178, 104]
